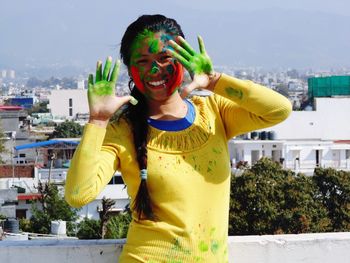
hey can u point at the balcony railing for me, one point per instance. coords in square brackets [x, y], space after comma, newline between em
[305, 248]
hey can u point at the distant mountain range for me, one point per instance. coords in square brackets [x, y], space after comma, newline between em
[278, 38]
[270, 38]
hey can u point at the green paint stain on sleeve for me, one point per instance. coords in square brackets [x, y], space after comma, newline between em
[232, 92]
[214, 246]
[203, 247]
[76, 190]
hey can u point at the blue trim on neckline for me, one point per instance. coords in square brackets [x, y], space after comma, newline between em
[175, 125]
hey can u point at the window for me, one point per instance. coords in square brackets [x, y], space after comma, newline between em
[347, 154]
[70, 112]
[21, 213]
[70, 102]
[318, 158]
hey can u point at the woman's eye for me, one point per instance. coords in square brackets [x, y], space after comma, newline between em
[141, 61]
[165, 58]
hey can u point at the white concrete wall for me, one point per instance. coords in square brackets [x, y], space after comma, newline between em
[116, 192]
[59, 102]
[328, 122]
[305, 248]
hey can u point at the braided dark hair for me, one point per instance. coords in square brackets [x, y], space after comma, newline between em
[137, 115]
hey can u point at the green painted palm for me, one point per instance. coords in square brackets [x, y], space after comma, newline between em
[103, 102]
[198, 64]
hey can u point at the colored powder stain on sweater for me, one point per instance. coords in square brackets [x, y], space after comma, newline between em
[203, 247]
[232, 92]
[214, 246]
[217, 150]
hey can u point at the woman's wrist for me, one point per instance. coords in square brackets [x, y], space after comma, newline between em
[98, 122]
[213, 79]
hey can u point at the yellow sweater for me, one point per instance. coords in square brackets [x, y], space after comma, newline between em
[188, 173]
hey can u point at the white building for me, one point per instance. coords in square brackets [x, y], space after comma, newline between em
[67, 103]
[299, 156]
[115, 190]
[27, 177]
[306, 140]
[329, 121]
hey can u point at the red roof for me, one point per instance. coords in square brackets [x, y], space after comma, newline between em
[28, 196]
[343, 141]
[8, 107]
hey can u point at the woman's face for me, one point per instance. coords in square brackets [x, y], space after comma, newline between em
[155, 73]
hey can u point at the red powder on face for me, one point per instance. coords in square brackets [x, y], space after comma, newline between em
[174, 82]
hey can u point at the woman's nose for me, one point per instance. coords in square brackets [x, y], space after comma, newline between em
[154, 67]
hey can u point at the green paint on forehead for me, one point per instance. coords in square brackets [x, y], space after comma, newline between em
[153, 42]
[153, 45]
[137, 44]
[165, 37]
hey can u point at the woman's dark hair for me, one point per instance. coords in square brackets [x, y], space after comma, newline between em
[137, 115]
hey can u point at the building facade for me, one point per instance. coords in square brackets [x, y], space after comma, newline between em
[67, 103]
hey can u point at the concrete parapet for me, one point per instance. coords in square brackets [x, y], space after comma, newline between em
[305, 248]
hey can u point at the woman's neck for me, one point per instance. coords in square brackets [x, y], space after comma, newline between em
[173, 108]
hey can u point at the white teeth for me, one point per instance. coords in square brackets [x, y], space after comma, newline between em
[157, 83]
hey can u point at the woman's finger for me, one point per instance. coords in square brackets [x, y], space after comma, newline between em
[107, 68]
[201, 45]
[180, 50]
[90, 80]
[185, 45]
[115, 71]
[98, 70]
[179, 58]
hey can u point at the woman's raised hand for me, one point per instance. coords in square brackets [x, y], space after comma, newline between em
[199, 65]
[103, 102]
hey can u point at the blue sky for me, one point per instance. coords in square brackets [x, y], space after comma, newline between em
[239, 33]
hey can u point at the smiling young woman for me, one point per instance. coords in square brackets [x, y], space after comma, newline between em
[172, 151]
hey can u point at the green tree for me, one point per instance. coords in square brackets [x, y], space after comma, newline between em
[334, 193]
[105, 216]
[108, 226]
[40, 107]
[67, 129]
[267, 199]
[118, 226]
[89, 229]
[53, 207]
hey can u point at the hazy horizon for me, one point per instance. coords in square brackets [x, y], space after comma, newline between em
[270, 34]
